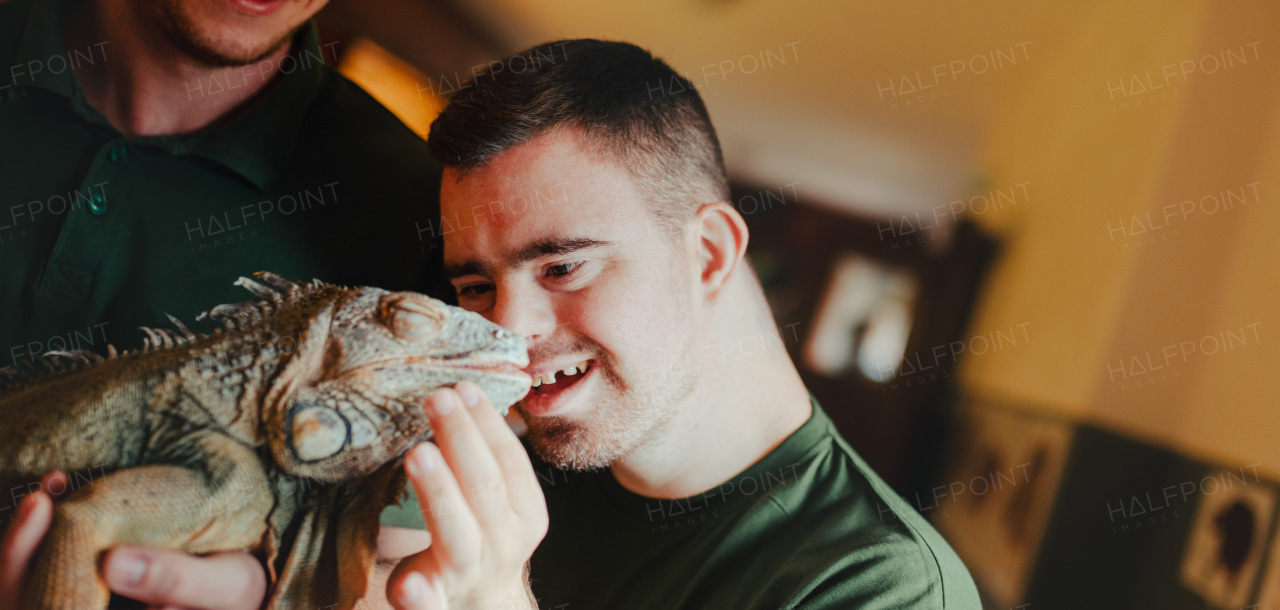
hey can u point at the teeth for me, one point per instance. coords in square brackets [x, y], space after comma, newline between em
[544, 378]
[575, 369]
[550, 377]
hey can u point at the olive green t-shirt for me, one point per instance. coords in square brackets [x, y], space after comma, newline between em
[101, 233]
[809, 526]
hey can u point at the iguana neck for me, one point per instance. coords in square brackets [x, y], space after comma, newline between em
[226, 376]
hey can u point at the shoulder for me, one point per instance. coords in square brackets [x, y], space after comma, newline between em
[896, 570]
[388, 185]
[875, 550]
[353, 124]
[347, 137]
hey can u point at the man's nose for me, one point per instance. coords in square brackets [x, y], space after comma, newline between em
[524, 310]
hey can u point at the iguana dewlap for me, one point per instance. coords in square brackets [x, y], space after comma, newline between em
[282, 432]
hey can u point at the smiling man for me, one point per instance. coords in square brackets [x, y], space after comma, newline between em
[586, 206]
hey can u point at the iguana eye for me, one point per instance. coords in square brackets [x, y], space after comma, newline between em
[316, 432]
[413, 317]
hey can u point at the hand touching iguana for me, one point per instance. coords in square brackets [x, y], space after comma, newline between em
[282, 432]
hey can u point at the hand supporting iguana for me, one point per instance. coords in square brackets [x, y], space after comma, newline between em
[230, 580]
[485, 511]
[281, 431]
[482, 505]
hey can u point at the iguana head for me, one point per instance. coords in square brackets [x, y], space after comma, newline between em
[351, 397]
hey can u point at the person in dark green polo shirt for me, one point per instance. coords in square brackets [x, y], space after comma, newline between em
[683, 462]
[103, 231]
[809, 525]
[152, 152]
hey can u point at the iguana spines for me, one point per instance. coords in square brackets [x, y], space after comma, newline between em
[317, 385]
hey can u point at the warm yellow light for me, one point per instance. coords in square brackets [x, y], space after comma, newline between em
[394, 83]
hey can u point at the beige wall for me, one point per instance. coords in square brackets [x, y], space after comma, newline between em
[1231, 408]
[1094, 289]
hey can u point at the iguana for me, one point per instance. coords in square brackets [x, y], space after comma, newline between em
[282, 432]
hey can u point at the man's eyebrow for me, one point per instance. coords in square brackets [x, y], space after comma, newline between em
[546, 247]
[555, 246]
[471, 267]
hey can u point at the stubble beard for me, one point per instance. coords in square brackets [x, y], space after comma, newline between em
[164, 18]
[624, 415]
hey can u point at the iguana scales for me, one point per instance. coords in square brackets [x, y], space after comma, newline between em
[281, 432]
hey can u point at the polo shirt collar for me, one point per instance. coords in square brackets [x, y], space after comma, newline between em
[256, 142]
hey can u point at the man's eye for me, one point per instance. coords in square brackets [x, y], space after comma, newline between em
[474, 290]
[563, 269]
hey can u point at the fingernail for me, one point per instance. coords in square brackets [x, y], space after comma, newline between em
[470, 393]
[426, 459]
[445, 401]
[420, 461]
[126, 568]
[411, 465]
[413, 590]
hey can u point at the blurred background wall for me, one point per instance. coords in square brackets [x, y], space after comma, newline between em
[1025, 254]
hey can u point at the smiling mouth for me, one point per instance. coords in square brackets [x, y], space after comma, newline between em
[257, 8]
[554, 381]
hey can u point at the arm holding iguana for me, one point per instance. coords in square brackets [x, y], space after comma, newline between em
[315, 385]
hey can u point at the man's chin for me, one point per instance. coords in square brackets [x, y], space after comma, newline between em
[230, 54]
[602, 424]
[213, 35]
[569, 445]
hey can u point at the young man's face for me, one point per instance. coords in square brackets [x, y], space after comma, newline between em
[226, 32]
[552, 241]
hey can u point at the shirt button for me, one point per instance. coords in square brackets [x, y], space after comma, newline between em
[119, 154]
[98, 204]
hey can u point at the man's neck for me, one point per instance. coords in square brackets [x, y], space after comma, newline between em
[148, 86]
[744, 406]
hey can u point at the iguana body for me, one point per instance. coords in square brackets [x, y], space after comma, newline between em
[282, 433]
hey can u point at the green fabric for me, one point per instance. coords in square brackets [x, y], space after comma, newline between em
[808, 526]
[101, 233]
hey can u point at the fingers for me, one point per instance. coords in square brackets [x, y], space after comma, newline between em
[56, 483]
[35, 512]
[468, 454]
[518, 480]
[408, 589]
[467, 486]
[396, 543]
[464, 482]
[222, 581]
[455, 531]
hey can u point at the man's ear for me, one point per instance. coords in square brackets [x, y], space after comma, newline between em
[721, 241]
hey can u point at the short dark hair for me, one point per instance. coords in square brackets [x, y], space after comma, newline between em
[631, 106]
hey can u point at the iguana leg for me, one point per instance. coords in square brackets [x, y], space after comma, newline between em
[216, 498]
[331, 564]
